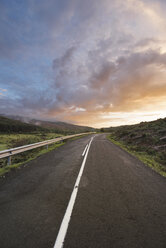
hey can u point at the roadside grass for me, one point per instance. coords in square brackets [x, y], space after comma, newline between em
[3, 147]
[15, 140]
[78, 137]
[149, 160]
[25, 157]
[8, 141]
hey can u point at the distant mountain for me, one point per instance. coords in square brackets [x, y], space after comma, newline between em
[61, 126]
[56, 126]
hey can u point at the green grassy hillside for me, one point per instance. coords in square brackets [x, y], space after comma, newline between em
[147, 140]
[14, 126]
[62, 126]
[15, 133]
[17, 123]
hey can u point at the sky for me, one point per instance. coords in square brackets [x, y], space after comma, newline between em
[92, 62]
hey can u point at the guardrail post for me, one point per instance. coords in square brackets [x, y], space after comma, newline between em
[8, 153]
[9, 160]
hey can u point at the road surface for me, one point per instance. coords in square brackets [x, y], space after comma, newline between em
[120, 202]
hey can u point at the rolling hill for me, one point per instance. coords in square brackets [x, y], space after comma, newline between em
[15, 126]
[147, 140]
[21, 124]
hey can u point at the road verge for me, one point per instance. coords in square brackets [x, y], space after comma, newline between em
[147, 159]
[38, 152]
[27, 156]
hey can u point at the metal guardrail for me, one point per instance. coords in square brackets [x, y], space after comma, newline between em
[10, 152]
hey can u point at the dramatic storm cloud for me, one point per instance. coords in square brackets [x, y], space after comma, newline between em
[98, 63]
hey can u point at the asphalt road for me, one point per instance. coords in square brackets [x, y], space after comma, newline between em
[120, 201]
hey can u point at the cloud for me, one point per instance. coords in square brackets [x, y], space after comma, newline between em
[2, 92]
[66, 58]
[129, 83]
[78, 61]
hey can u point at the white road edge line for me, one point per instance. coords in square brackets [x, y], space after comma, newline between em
[66, 219]
[85, 150]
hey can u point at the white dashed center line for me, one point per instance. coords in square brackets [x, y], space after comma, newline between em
[66, 219]
[85, 150]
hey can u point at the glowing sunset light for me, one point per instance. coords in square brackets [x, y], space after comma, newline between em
[96, 63]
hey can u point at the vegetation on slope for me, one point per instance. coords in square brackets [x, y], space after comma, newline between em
[52, 126]
[14, 126]
[62, 126]
[14, 133]
[146, 140]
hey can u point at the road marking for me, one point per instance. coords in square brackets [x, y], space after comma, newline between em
[66, 219]
[85, 150]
